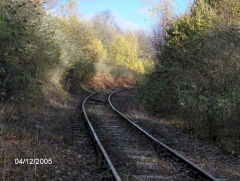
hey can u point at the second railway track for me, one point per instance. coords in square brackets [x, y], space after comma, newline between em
[131, 152]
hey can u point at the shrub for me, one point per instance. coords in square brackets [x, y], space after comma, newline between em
[27, 51]
[198, 79]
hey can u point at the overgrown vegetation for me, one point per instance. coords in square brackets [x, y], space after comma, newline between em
[98, 47]
[27, 50]
[197, 77]
[43, 55]
[35, 43]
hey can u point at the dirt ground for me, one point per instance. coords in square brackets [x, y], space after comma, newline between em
[45, 132]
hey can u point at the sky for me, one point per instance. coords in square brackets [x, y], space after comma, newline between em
[130, 15]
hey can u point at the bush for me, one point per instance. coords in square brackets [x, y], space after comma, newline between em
[27, 51]
[77, 74]
[198, 79]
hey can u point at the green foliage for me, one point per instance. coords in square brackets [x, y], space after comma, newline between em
[98, 44]
[83, 42]
[35, 44]
[87, 44]
[198, 79]
[26, 50]
[212, 3]
[80, 46]
[77, 73]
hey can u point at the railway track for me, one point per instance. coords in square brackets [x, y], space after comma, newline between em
[130, 152]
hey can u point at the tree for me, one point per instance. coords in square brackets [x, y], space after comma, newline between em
[197, 78]
[163, 12]
[83, 37]
[22, 42]
[145, 43]
[106, 27]
[125, 51]
[212, 3]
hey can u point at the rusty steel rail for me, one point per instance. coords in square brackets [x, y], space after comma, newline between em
[97, 140]
[190, 164]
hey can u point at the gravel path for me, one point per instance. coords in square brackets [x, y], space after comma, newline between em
[134, 157]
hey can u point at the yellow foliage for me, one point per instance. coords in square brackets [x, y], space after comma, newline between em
[84, 36]
[125, 51]
[99, 52]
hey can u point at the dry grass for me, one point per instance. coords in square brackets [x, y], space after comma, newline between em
[105, 81]
[40, 131]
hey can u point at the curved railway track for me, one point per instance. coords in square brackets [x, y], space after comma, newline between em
[130, 152]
